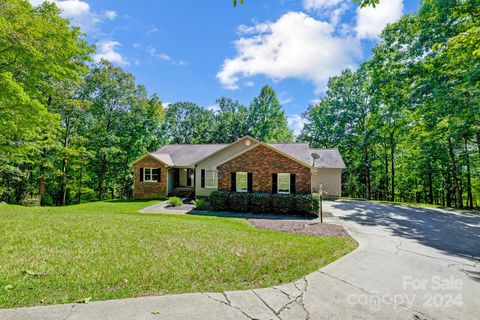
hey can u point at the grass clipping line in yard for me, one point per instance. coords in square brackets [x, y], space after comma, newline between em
[106, 250]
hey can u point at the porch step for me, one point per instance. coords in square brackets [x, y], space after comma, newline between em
[184, 192]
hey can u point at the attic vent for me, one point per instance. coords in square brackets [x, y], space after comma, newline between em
[315, 156]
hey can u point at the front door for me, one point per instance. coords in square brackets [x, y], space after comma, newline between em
[176, 174]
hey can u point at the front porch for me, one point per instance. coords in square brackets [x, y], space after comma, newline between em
[181, 182]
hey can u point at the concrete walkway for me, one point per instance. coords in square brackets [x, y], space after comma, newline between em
[412, 263]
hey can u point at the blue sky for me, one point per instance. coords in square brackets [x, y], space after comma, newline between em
[201, 50]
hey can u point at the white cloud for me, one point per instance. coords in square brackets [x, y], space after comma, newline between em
[79, 12]
[296, 123]
[294, 46]
[214, 108]
[110, 14]
[371, 21]
[152, 30]
[106, 50]
[331, 9]
[284, 98]
[163, 56]
[320, 4]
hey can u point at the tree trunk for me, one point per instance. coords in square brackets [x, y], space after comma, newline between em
[386, 176]
[367, 173]
[63, 189]
[79, 193]
[42, 188]
[392, 151]
[430, 184]
[478, 141]
[469, 178]
[101, 177]
[458, 192]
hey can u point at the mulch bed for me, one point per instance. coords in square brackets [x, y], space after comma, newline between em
[184, 206]
[300, 227]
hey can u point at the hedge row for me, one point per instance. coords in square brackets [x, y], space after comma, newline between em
[305, 204]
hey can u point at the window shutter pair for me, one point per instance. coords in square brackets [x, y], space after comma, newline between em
[159, 174]
[275, 183]
[233, 181]
[202, 176]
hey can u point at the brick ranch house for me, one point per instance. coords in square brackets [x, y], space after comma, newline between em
[246, 165]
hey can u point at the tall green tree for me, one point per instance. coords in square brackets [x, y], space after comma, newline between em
[186, 122]
[267, 120]
[121, 123]
[231, 121]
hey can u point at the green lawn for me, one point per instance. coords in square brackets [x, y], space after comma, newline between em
[107, 250]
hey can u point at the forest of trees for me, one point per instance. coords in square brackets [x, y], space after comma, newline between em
[407, 121]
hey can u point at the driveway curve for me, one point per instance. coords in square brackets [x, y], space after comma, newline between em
[411, 263]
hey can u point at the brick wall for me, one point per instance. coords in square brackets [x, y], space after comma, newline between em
[262, 162]
[149, 190]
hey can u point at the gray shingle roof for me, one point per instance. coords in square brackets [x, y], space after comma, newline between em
[189, 154]
[328, 158]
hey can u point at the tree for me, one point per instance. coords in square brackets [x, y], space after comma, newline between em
[267, 119]
[231, 121]
[39, 53]
[186, 122]
[121, 123]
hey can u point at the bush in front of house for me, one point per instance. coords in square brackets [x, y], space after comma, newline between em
[299, 204]
[200, 204]
[283, 203]
[307, 204]
[260, 202]
[239, 201]
[175, 202]
[219, 200]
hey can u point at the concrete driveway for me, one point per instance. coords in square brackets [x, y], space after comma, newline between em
[412, 263]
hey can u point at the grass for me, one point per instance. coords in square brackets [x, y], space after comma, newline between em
[107, 250]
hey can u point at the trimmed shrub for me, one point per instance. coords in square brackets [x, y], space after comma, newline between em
[200, 204]
[307, 204]
[283, 203]
[175, 202]
[219, 200]
[260, 202]
[239, 201]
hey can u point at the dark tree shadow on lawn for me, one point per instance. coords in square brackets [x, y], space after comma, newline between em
[454, 233]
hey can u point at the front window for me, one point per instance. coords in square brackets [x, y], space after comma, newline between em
[150, 175]
[210, 179]
[242, 182]
[283, 183]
